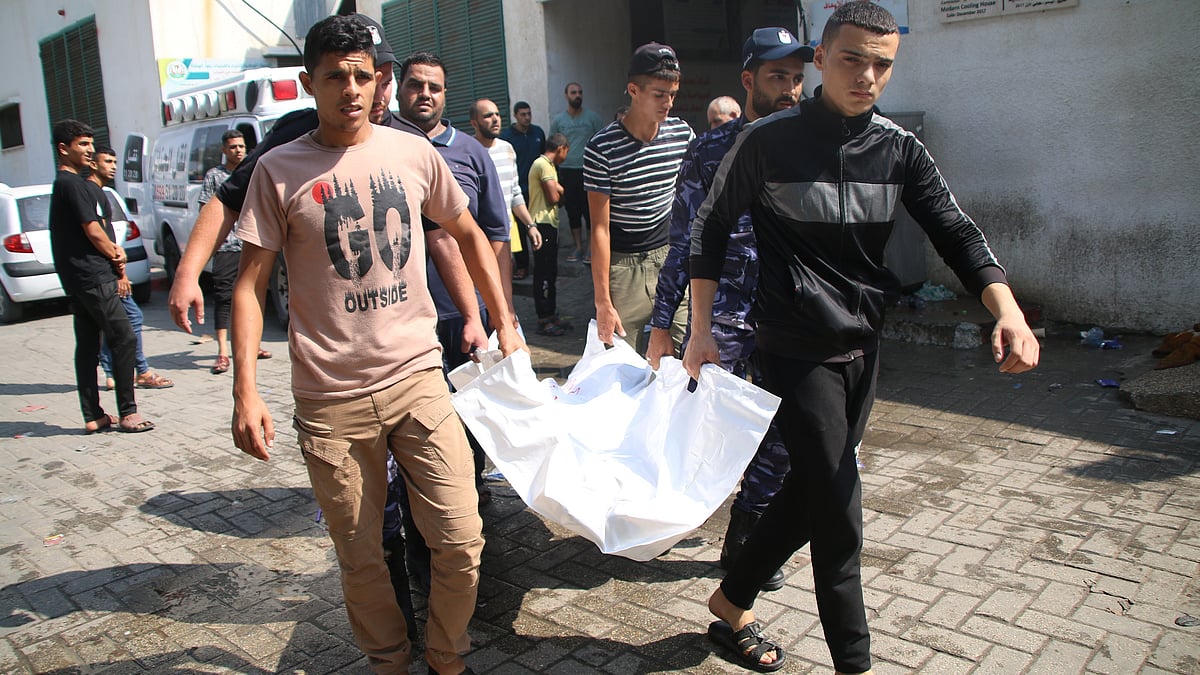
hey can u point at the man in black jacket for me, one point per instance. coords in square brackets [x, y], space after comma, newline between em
[822, 182]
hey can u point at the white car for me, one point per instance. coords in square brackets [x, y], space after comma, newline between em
[26, 262]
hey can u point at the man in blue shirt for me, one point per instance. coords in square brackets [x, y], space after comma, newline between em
[529, 141]
[422, 98]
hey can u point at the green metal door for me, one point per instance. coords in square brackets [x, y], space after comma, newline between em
[468, 35]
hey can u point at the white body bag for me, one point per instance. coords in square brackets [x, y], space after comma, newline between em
[621, 454]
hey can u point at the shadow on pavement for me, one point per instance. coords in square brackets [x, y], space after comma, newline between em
[1139, 466]
[35, 428]
[241, 594]
[28, 388]
[195, 660]
[261, 513]
[541, 583]
[530, 573]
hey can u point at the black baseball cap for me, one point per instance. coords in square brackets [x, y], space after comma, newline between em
[653, 57]
[769, 44]
[383, 51]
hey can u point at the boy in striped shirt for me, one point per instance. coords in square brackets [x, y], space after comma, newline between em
[629, 172]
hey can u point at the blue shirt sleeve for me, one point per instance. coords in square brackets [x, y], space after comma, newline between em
[673, 279]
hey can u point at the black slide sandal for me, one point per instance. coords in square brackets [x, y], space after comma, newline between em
[748, 644]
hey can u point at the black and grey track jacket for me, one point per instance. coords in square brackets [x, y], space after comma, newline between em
[822, 191]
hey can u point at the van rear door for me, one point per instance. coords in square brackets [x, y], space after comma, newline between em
[139, 192]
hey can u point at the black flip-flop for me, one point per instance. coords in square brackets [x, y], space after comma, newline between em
[110, 423]
[749, 645]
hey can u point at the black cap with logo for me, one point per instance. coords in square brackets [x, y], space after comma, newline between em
[651, 58]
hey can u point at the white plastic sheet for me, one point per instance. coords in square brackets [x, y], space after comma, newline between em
[621, 454]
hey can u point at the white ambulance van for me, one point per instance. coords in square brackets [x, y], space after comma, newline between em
[163, 176]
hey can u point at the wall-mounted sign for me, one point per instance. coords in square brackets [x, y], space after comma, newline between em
[963, 10]
[176, 75]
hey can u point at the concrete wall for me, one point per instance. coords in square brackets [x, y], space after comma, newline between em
[1071, 137]
[589, 43]
[525, 46]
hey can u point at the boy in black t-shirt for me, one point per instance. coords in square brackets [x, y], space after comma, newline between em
[88, 262]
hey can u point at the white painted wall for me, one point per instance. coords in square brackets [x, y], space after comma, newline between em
[22, 84]
[221, 28]
[1071, 136]
[129, 89]
[133, 35]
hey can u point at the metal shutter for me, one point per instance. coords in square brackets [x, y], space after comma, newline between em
[73, 78]
[468, 35]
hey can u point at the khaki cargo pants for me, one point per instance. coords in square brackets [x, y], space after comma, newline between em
[632, 282]
[345, 445]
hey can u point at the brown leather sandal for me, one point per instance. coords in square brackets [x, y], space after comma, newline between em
[152, 380]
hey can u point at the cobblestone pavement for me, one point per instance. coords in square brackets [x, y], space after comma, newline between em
[1014, 524]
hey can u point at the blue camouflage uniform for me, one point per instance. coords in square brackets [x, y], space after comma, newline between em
[731, 325]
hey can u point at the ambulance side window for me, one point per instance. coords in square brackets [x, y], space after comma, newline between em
[206, 151]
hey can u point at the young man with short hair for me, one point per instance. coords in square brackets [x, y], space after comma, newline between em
[529, 142]
[772, 75]
[630, 170]
[344, 203]
[543, 206]
[220, 214]
[104, 172]
[822, 182]
[88, 261]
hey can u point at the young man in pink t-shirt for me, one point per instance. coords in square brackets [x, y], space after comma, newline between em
[344, 204]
